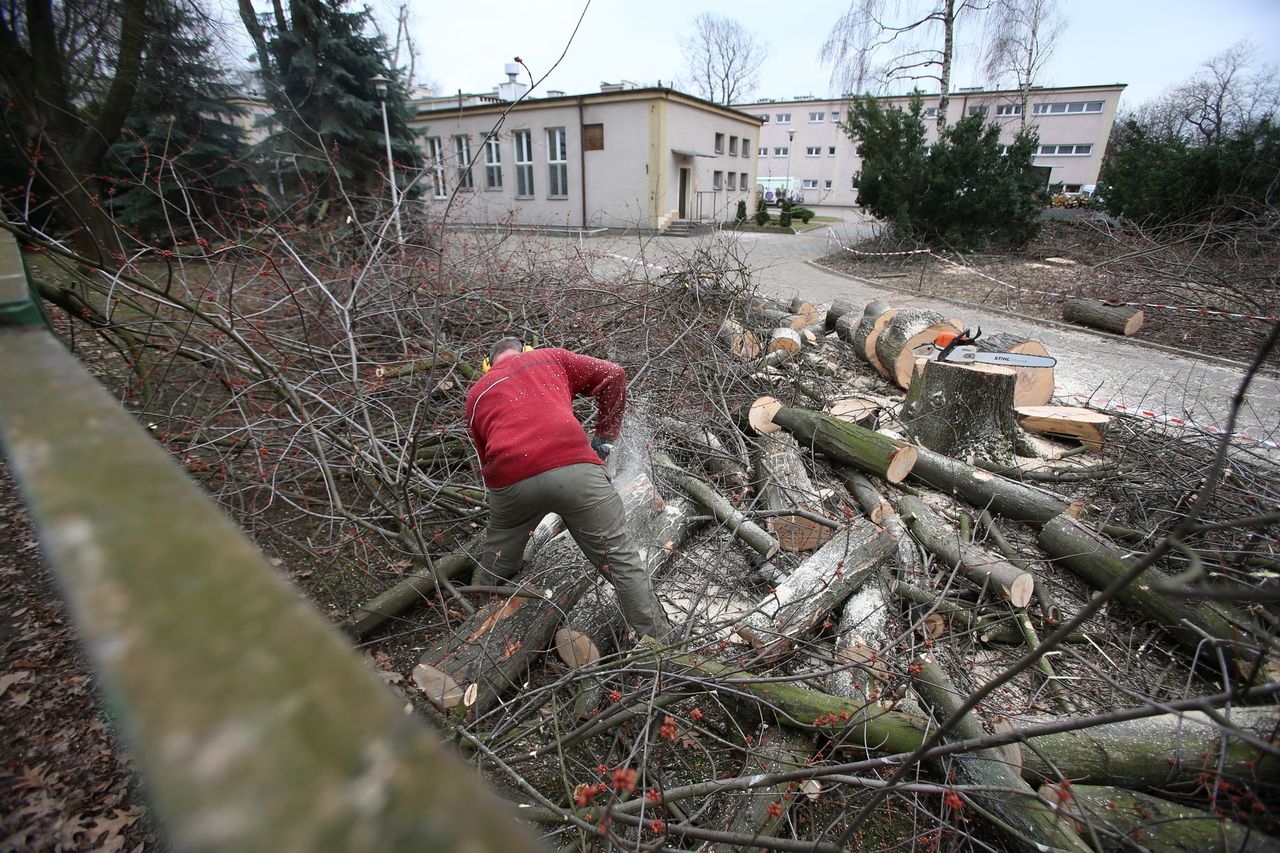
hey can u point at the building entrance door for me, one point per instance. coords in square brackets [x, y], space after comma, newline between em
[684, 193]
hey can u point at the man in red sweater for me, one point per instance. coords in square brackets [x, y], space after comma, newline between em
[536, 458]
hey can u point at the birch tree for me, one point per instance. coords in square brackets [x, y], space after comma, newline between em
[1020, 39]
[723, 58]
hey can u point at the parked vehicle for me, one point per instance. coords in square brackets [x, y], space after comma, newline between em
[774, 190]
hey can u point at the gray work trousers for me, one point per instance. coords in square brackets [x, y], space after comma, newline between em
[592, 511]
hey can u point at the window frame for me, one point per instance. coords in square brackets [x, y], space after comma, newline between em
[717, 180]
[782, 118]
[733, 146]
[435, 156]
[557, 143]
[1008, 110]
[746, 146]
[813, 151]
[809, 183]
[719, 143]
[821, 117]
[524, 167]
[781, 150]
[492, 163]
[462, 158]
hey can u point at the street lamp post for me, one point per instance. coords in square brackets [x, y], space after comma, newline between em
[791, 138]
[380, 85]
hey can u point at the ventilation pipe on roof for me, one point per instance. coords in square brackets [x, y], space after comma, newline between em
[512, 90]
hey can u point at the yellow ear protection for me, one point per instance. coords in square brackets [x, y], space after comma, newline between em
[485, 366]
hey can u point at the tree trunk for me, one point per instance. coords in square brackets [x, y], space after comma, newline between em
[962, 616]
[873, 335]
[487, 653]
[738, 341]
[724, 512]
[965, 412]
[810, 312]
[413, 588]
[849, 443]
[854, 329]
[801, 601]
[1035, 384]
[908, 329]
[1120, 319]
[1125, 820]
[1009, 798]
[777, 749]
[838, 309]
[977, 564]
[1097, 562]
[783, 484]
[1072, 421]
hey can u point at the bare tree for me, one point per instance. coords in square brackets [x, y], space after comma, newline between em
[1020, 38]
[880, 42]
[723, 58]
[1229, 92]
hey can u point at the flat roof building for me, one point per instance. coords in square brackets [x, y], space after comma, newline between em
[801, 138]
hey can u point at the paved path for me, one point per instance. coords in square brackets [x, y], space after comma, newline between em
[1101, 367]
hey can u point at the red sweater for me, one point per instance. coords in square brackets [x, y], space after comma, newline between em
[521, 413]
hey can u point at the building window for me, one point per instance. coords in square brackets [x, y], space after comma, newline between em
[1067, 108]
[931, 112]
[719, 143]
[764, 152]
[746, 146]
[781, 152]
[557, 164]
[826, 184]
[810, 184]
[733, 181]
[1071, 188]
[717, 180]
[978, 110]
[733, 146]
[831, 151]
[813, 151]
[1009, 110]
[593, 137]
[492, 164]
[816, 118]
[462, 156]
[524, 164]
[742, 180]
[1064, 150]
[783, 118]
[435, 154]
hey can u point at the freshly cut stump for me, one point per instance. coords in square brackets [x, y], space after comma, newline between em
[1120, 319]
[854, 410]
[1072, 421]
[837, 310]
[964, 411]
[1035, 384]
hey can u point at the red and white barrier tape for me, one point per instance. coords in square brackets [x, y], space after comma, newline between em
[1184, 309]
[1161, 417]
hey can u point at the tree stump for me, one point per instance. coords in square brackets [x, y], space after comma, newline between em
[1120, 319]
[964, 411]
[1035, 384]
[783, 484]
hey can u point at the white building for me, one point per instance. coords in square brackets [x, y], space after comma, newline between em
[801, 139]
[622, 157]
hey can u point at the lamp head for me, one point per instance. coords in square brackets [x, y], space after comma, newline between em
[380, 85]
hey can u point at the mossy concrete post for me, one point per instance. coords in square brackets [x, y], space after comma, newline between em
[19, 305]
[255, 724]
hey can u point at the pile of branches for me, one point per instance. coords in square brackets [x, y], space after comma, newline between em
[878, 643]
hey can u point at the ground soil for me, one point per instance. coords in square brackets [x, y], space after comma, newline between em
[1071, 259]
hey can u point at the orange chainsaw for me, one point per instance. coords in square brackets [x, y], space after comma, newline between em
[961, 348]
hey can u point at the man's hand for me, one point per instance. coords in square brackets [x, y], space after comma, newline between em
[601, 447]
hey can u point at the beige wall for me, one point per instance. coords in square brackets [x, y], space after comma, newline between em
[1072, 129]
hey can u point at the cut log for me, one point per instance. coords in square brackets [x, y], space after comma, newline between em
[787, 339]
[801, 601]
[419, 586]
[760, 415]
[873, 335]
[1092, 558]
[849, 443]
[905, 325]
[838, 309]
[881, 512]
[783, 484]
[487, 652]
[1123, 821]
[956, 617]
[1085, 424]
[755, 537]
[1035, 384]
[808, 311]
[860, 640]
[1120, 319]
[1033, 823]
[854, 329]
[738, 341]
[854, 410]
[965, 412]
[975, 563]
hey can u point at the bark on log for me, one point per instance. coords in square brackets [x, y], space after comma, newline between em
[881, 512]
[1084, 424]
[801, 601]
[777, 749]
[740, 342]
[860, 640]
[1097, 562]
[873, 335]
[485, 655]
[1035, 384]
[808, 310]
[1120, 319]
[855, 329]
[724, 512]
[838, 309]
[785, 339]
[964, 411]
[962, 616]
[977, 564]
[906, 324]
[1010, 798]
[1126, 820]
[413, 588]
[849, 443]
[783, 484]
[984, 490]
[718, 460]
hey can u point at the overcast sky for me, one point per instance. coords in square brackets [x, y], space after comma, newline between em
[1148, 44]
